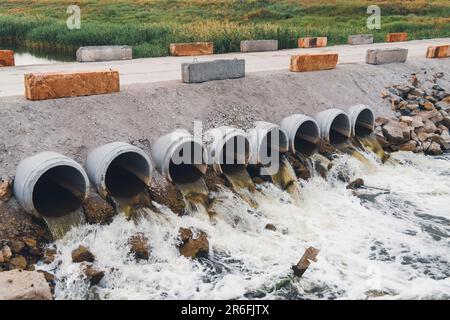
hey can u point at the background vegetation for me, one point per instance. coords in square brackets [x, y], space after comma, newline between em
[150, 25]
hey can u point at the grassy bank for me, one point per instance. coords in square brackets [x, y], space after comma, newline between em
[149, 26]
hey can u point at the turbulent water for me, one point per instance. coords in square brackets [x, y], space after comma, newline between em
[387, 240]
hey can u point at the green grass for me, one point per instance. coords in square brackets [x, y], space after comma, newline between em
[151, 25]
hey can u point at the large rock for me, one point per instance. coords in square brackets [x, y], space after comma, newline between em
[358, 39]
[397, 37]
[386, 56]
[312, 42]
[191, 49]
[5, 189]
[313, 62]
[24, 285]
[139, 246]
[93, 273]
[7, 58]
[193, 247]
[213, 70]
[393, 132]
[104, 53]
[434, 149]
[97, 210]
[259, 45]
[82, 254]
[438, 51]
[41, 86]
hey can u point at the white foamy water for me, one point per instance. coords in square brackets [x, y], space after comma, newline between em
[389, 240]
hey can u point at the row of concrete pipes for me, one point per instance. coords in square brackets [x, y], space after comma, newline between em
[40, 178]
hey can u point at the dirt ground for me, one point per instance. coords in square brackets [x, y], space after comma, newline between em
[141, 113]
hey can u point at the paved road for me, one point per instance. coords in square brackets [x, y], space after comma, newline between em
[168, 68]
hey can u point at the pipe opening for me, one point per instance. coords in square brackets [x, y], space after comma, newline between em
[191, 168]
[306, 138]
[59, 191]
[126, 175]
[364, 123]
[235, 154]
[339, 130]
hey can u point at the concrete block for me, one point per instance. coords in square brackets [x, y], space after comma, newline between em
[438, 51]
[104, 53]
[7, 58]
[191, 49]
[259, 45]
[313, 62]
[384, 56]
[360, 39]
[213, 70]
[397, 37]
[312, 42]
[42, 86]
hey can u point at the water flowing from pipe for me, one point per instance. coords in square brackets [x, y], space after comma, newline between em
[386, 240]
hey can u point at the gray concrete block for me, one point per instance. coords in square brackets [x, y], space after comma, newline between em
[212, 70]
[384, 56]
[360, 39]
[104, 53]
[259, 45]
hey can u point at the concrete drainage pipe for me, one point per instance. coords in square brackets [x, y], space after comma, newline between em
[303, 132]
[51, 185]
[362, 120]
[265, 139]
[228, 149]
[334, 126]
[119, 169]
[180, 157]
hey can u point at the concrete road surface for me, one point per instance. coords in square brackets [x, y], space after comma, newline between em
[169, 68]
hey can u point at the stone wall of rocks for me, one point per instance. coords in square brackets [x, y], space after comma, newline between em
[422, 122]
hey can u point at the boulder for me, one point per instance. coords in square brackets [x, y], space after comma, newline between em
[92, 273]
[356, 184]
[194, 246]
[16, 246]
[97, 210]
[434, 149]
[393, 132]
[5, 189]
[271, 227]
[6, 253]
[49, 256]
[24, 285]
[408, 146]
[18, 262]
[139, 246]
[82, 254]
[429, 127]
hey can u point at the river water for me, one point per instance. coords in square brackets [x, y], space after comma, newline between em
[26, 57]
[388, 240]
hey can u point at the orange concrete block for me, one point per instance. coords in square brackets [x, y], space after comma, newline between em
[438, 51]
[191, 49]
[313, 62]
[312, 42]
[42, 86]
[7, 58]
[397, 37]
